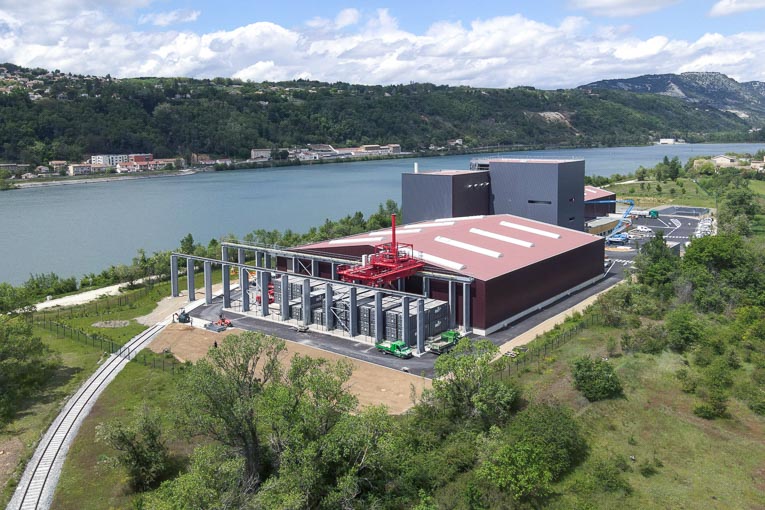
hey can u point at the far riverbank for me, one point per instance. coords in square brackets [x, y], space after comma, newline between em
[94, 180]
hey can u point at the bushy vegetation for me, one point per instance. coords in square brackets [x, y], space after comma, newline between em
[25, 363]
[595, 379]
[224, 117]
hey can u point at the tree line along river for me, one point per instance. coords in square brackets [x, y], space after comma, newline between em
[77, 229]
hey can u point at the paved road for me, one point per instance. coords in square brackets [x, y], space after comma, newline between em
[366, 352]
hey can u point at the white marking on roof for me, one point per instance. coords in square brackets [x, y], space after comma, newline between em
[427, 257]
[463, 218]
[468, 247]
[589, 190]
[398, 231]
[356, 240]
[500, 237]
[531, 230]
[448, 223]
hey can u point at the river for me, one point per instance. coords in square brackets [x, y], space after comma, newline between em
[77, 229]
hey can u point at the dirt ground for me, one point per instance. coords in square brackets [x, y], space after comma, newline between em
[10, 453]
[372, 384]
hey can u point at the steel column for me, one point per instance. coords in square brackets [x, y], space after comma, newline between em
[426, 287]
[306, 302]
[265, 279]
[405, 332]
[328, 317]
[226, 278]
[174, 276]
[466, 307]
[333, 272]
[190, 279]
[285, 297]
[268, 261]
[259, 258]
[452, 305]
[353, 313]
[379, 319]
[314, 267]
[244, 282]
[420, 326]
[208, 283]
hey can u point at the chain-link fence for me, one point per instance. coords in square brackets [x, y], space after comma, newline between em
[538, 349]
[157, 361]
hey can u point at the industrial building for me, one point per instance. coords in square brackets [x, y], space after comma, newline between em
[544, 190]
[444, 194]
[517, 265]
[593, 202]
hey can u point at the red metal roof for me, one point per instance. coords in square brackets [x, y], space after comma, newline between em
[483, 247]
[593, 193]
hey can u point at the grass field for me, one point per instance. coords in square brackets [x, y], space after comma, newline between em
[87, 482]
[697, 463]
[648, 196]
[19, 438]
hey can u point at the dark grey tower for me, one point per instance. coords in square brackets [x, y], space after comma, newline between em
[542, 190]
[444, 194]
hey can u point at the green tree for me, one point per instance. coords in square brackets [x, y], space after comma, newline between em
[141, 447]
[220, 395]
[25, 363]
[464, 386]
[684, 328]
[187, 244]
[213, 481]
[596, 379]
[657, 266]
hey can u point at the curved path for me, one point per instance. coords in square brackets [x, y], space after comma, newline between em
[36, 487]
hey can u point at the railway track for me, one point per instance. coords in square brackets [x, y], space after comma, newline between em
[35, 490]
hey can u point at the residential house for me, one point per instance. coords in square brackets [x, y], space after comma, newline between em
[124, 167]
[28, 175]
[264, 154]
[57, 165]
[79, 169]
[724, 161]
[108, 159]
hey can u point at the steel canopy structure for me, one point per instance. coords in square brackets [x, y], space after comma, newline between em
[389, 263]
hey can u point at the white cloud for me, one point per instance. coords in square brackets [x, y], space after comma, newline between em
[347, 17]
[727, 7]
[163, 19]
[372, 48]
[618, 8]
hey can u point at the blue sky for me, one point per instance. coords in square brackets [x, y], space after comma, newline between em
[544, 43]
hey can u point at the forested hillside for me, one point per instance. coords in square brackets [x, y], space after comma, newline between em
[52, 115]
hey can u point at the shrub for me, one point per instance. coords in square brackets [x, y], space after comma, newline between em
[142, 449]
[607, 476]
[595, 379]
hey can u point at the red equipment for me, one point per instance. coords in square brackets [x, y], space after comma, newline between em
[390, 262]
[271, 298]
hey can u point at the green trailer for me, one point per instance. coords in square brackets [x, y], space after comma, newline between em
[398, 348]
[447, 341]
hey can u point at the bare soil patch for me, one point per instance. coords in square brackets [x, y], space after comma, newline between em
[372, 384]
[111, 324]
[10, 453]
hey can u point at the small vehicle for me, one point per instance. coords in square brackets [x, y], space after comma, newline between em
[642, 228]
[653, 214]
[222, 321]
[301, 329]
[447, 341]
[511, 353]
[398, 348]
[217, 328]
[617, 239]
[182, 316]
